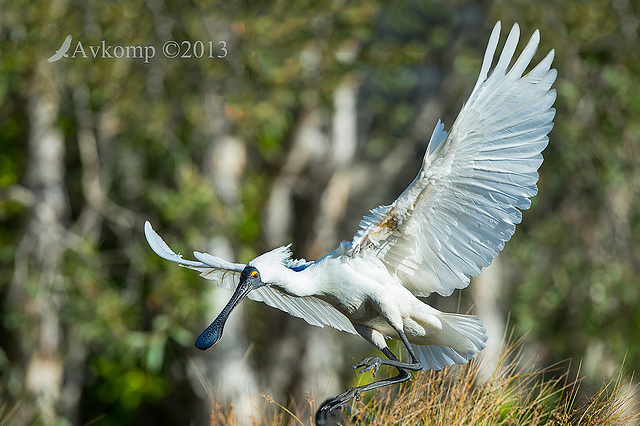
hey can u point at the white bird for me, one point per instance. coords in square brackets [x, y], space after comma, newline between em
[449, 223]
[62, 52]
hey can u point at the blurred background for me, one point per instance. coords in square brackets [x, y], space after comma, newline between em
[289, 120]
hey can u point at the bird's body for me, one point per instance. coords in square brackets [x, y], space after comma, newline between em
[449, 223]
[371, 298]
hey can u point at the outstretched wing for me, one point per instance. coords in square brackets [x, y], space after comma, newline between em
[311, 309]
[464, 204]
[227, 274]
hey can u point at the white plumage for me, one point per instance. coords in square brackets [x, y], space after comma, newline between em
[449, 223]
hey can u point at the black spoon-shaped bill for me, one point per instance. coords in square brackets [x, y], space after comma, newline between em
[212, 334]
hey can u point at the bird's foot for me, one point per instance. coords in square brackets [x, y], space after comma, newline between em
[329, 411]
[371, 363]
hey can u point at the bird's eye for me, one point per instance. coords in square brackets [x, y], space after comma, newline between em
[254, 274]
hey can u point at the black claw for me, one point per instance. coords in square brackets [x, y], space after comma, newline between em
[329, 410]
[371, 363]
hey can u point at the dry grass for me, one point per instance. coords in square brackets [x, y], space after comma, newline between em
[515, 393]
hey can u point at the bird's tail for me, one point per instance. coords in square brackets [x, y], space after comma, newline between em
[461, 339]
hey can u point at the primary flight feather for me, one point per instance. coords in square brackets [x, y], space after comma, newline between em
[450, 223]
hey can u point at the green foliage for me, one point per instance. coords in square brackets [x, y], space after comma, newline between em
[576, 253]
[122, 307]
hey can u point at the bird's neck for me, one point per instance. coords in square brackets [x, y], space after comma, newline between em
[295, 283]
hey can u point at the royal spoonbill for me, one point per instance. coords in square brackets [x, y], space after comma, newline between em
[449, 223]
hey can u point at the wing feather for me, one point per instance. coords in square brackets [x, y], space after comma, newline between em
[225, 273]
[457, 214]
[313, 310]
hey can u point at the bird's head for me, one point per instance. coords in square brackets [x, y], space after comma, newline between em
[263, 270]
[249, 280]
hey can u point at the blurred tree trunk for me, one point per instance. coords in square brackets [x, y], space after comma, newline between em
[290, 214]
[307, 204]
[485, 293]
[229, 364]
[324, 360]
[37, 282]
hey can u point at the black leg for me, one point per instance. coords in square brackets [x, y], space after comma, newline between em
[374, 363]
[324, 412]
[323, 416]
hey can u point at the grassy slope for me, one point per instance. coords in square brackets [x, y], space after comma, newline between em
[515, 393]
